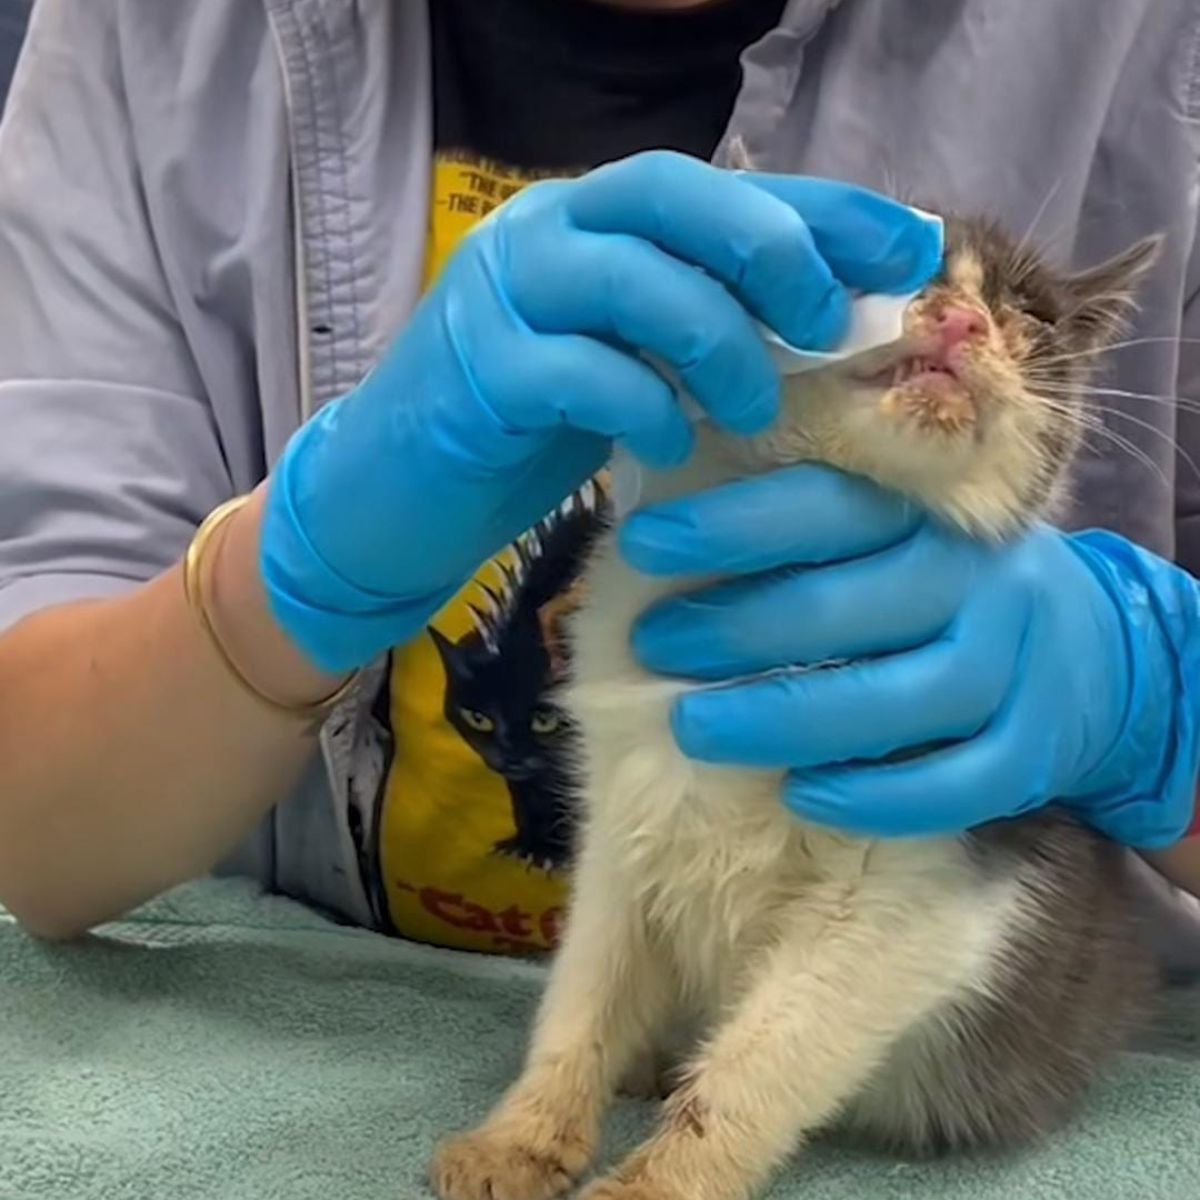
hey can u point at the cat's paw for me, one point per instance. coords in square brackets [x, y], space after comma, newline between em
[489, 1165]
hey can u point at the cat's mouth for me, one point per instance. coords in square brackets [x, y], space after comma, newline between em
[921, 366]
[923, 386]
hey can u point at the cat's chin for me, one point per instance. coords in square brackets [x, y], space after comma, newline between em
[971, 463]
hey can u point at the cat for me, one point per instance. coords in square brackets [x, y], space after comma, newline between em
[928, 994]
[500, 676]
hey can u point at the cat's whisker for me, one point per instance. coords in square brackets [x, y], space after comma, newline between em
[1045, 377]
[1178, 404]
[1023, 252]
[1092, 418]
[1100, 351]
[1135, 452]
[1186, 404]
[1182, 403]
[1038, 359]
[1155, 339]
[1073, 413]
[891, 183]
[1061, 357]
[1159, 433]
[1125, 394]
[1090, 421]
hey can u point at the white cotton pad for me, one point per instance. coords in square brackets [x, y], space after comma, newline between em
[875, 321]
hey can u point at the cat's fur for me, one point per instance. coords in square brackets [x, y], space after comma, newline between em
[932, 993]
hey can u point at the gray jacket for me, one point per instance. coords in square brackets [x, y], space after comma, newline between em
[212, 220]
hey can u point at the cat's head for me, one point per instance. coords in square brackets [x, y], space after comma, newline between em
[496, 700]
[978, 411]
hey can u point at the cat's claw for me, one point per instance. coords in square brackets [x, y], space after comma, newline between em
[488, 1166]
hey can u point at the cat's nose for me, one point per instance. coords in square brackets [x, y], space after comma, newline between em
[958, 323]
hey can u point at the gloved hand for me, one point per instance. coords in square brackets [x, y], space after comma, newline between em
[1056, 667]
[525, 361]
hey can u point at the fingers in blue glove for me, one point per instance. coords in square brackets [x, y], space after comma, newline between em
[756, 245]
[942, 792]
[806, 617]
[860, 712]
[784, 268]
[632, 293]
[797, 516]
[871, 243]
[566, 380]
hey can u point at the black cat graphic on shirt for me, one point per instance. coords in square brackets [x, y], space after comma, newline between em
[500, 677]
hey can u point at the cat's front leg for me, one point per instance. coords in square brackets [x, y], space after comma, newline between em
[848, 976]
[607, 993]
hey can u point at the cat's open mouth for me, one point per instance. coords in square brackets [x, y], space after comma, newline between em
[935, 370]
[923, 386]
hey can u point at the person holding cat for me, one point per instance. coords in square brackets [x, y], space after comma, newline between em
[273, 392]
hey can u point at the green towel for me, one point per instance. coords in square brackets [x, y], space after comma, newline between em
[226, 1045]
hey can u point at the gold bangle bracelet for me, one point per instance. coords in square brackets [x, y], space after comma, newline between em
[193, 586]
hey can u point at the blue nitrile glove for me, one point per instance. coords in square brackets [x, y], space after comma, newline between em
[1057, 667]
[523, 363]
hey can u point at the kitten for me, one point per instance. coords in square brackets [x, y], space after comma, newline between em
[940, 993]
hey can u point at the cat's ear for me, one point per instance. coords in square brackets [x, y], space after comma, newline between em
[445, 648]
[1104, 298]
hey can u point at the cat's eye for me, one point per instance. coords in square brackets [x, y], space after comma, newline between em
[1037, 309]
[544, 722]
[473, 719]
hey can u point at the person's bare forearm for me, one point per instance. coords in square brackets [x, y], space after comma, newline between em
[131, 759]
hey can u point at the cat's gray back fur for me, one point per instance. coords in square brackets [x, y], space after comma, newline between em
[1075, 981]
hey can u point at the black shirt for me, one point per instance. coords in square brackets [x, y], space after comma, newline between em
[569, 84]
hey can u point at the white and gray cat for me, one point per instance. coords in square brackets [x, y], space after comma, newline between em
[930, 994]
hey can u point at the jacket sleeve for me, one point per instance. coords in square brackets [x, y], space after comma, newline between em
[1187, 485]
[109, 455]
[1187, 423]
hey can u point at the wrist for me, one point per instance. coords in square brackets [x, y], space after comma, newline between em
[1142, 789]
[338, 625]
[240, 610]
